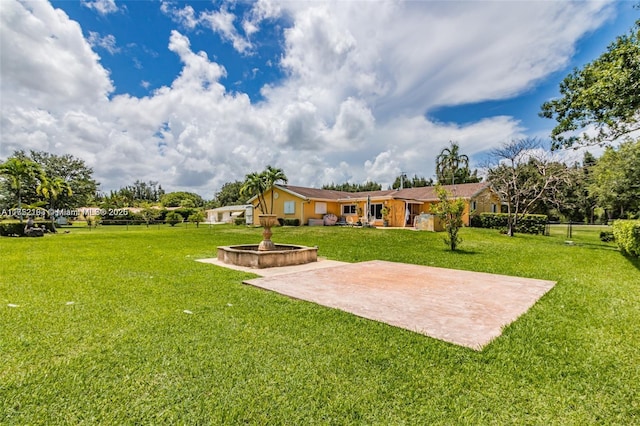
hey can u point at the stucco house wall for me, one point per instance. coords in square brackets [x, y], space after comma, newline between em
[291, 202]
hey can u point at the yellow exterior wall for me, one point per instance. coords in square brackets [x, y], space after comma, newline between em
[303, 210]
[278, 206]
[485, 200]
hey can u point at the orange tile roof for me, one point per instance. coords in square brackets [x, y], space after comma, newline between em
[428, 193]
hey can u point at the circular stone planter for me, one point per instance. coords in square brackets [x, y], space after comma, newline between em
[281, 255]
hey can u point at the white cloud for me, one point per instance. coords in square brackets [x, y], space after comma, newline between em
[361, 78]
[219, 21]
[107, 42]
[44, 60]
[185, 16]
[103, 7]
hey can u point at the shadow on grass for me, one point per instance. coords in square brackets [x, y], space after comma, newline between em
[463, 252]
[635, 261]
[595, 246]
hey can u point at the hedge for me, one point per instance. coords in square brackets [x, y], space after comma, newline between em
[627, 235]
[527, 224]
[8, 229]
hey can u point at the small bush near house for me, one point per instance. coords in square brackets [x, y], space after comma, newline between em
[627, 235]
[291, 222]
[239, 221]
[173, 217]
[527, 224]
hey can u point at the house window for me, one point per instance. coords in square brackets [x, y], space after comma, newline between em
[348, 209]
[474, 205]
[321, 208]
[376, 211]
[494, 208]
[289, 207]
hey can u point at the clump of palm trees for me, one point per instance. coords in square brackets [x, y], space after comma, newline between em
[256, 184]
[452, 167]
[17, 171]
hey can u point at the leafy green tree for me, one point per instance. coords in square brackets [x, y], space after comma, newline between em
[615, 180]
[229, 194]
[585, 202]
[453, 167]
[72, 170]
[134, 195]
[354, 187]
[149, 213]
[182, 199]
[172, 218]
[196, 218]
[450, 211]
[605, 94]
[415, 182]
[16, 171]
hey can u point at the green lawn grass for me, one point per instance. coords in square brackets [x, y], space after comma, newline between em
[121, 326]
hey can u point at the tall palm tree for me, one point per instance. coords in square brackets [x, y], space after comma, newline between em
[254, 185]
[51, 188]
[271, 176]
[16, 171]
[448, 162]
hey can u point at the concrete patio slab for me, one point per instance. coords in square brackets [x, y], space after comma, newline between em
[461, 307]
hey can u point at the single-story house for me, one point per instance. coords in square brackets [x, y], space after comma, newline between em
[403, 205]
[228, 214]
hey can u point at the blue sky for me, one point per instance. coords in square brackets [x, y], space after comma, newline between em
[194, 94]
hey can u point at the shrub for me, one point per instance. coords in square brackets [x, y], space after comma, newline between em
[196, 218]
[16, 228]
[173, 217]
[606, 236]
[185, 211]
[476, 221]
[527, 224]
[291, 222]
[627, 235]
[239, 221]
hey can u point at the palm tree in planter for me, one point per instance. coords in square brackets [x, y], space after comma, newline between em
[272, 176]
[256, 184]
